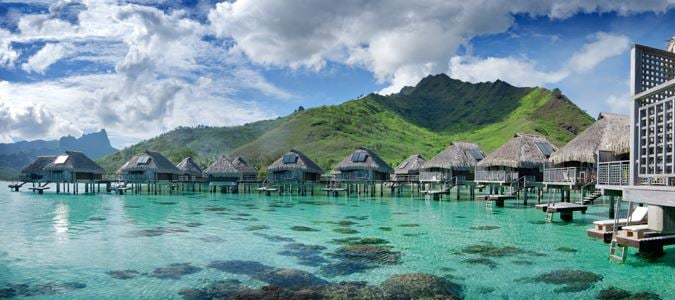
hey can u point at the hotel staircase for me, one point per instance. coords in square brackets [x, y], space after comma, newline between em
[591, 197]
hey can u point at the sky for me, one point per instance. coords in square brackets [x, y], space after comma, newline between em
[140, 68]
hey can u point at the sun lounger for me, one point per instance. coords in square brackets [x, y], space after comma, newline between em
[639, 216]
[634, 231]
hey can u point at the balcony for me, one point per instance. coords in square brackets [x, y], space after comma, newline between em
[570, 176]
[615, 173]
[495, 176]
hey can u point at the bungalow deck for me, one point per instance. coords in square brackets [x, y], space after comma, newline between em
[565, 209]
[499, 199]
[648, 243]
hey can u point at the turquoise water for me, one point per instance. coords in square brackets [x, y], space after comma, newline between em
[65, 247]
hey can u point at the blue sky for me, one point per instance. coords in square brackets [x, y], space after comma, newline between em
[139, 68]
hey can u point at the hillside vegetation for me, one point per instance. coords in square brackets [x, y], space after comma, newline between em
[421, 119]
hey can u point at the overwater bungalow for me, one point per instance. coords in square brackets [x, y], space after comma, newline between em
[247, 172]
[189, 170]
[35, 170]
[518, 163]
[150, 166]
[597, 155]
[73, 166]
[458, 161]
[363, 165]
[294, 166]
[409, 169]
[652, 157]
[222, 172]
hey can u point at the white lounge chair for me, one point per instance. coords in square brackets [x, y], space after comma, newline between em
[639, 216]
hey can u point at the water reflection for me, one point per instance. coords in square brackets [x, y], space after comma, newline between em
[61, 221]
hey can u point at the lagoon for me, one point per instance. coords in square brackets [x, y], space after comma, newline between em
[177, 246]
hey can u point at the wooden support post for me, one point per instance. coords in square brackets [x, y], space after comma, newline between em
[566, 215]
[611, 207]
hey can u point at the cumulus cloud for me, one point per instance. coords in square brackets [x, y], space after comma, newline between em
[45, 57]
[30, 121]
[7, 55]
[522, 72]
[399, 41]
[604, 46]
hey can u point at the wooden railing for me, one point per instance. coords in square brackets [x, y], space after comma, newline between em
[566, 175]
[434, 176]
[405, 178]
[495, 176]
[614, 173]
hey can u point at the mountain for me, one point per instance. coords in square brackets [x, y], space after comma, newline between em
[420, 119]
[14, 156]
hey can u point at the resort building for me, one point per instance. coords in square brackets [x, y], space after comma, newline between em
[602, 145]
[189, 170]
[247, 172]
[458, 161]
[652, 156]
[73, 166]
[521, 159]
[294, 166]
[409, 169]
[363, 165]
[222, 172]
[149, 166]
[35, 170]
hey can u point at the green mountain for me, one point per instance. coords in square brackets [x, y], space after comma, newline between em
[421, 119]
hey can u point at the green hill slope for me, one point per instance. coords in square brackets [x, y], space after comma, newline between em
[421, 119]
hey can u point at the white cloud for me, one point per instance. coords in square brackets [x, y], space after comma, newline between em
[603, 47]
[522, 72]
[45, 57]
[7, 55]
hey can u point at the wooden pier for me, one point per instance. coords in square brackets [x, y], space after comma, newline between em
[499, 199]
[648, 243]
[565, 209]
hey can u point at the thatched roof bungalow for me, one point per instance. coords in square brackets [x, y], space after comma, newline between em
[409, 169]
[523, 155]
[35, 170]
[222, 171]
[611, 132]
[294, 166]
[189, 168]
[73, 166]
[149, 166]
[575, 163]
[458, 159]
[248, 173]
[363, 165]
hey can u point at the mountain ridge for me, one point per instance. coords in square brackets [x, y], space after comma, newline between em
[421, 119]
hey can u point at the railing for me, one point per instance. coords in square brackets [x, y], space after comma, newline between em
[566, 175]
[405, 178]
[187, 178]
[495, 176]
[614, 173]
[434, 176]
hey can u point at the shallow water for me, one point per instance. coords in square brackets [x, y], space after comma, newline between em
[107, 246]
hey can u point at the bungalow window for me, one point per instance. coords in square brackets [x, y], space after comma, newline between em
[143, 160]
[477, 155]
[290, 159]
[359, 157]
[545, 148]
[61, 159]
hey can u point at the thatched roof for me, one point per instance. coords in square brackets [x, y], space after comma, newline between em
[371, 161]
[522, 151]
[411, 165]
[187, 166]
[223, 166]
[37, 166]
[149, 161]
[458, 155]
[611, 132]
[242, 166]
[74, 161]
[294, 160]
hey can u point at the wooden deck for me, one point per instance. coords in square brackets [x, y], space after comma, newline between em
[651, 243]
[565, 209]
[499, 199]
[605, 236]
[39, 189]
